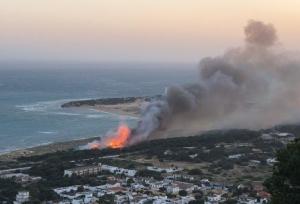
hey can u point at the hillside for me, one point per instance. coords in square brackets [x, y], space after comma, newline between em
[223, 159]
[220, 154]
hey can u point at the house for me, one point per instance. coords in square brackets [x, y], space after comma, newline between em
[22, 197]
[184, 200]
[116, 170]
[88, 198]
[266, 136]
[176, 186]
[161, 200]
[166, 170]
[83, 171]
[254, 162]
[271, 161]
[137, 187]
[157, 185]
[193, 156]
[235, 156]
[172, 189]
[122, 199]
[129, 172]
[214, 198]
[189, 187]
[116, 189]
[285, 137]
[111, 169]
[77, 201]
[179, 176]
[264, 195]
[62, 190]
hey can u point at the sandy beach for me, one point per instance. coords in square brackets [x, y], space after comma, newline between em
[127, 109]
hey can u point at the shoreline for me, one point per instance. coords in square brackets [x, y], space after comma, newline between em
[128, 107]
[45, 148]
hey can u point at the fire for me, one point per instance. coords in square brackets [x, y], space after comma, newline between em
[120, 139]
[94, 146]
[114, 140]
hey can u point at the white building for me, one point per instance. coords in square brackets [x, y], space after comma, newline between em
[271, 161]
[167, 170]
[184, 200]
[88, 198]
[116, 170]
[111, 169]
[84, 170]
[22, 197]
[121, 199]
[172, 189]
[188, 187]
[157, 185]
[235, 156]
[214, 198]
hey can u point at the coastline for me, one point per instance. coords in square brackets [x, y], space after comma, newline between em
[127, 106]
[119, 106]
[46, 148]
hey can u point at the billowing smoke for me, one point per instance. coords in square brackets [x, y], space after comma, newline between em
[260, 34]
[253, 86]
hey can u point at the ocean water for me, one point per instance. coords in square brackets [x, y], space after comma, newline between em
[31, 95]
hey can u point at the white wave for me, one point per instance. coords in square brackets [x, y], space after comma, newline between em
[47, 132]
[128, 117]
[66, 113]
[45, 105]
[40, 106]
[95, 116]
[54, 108]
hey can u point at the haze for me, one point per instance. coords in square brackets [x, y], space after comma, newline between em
[136, 30]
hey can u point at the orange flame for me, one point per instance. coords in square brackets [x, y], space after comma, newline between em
[120, 139]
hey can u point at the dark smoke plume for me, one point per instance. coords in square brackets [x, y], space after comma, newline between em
[260, 34]
[253, 86]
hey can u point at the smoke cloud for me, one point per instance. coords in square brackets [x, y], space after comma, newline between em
[260, 34]
[253, 86]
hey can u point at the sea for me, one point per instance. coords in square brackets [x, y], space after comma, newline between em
[31, 94]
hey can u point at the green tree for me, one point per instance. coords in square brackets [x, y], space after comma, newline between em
[284, 184]
[182, 193]
[8, 189]
[195, 172]
[80, 189]
[148, 173]
[162, 189]
[130, 181]
[107, 199]
[196, 202]
[230, 201]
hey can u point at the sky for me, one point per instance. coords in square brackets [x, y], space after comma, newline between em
[136, 30]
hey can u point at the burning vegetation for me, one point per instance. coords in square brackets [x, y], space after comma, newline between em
[253, 86]
[116, 140]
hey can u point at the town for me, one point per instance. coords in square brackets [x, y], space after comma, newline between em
[133, 176]
[126, 186]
